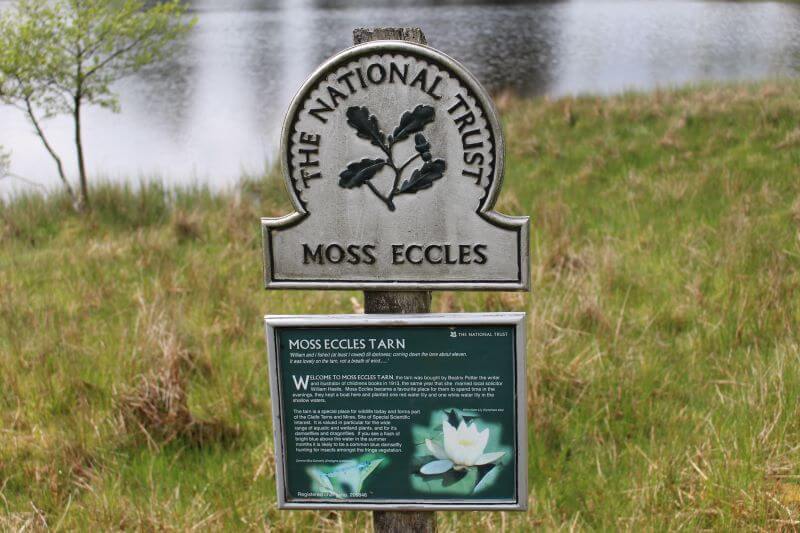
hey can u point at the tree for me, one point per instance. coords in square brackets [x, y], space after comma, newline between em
[58, 56]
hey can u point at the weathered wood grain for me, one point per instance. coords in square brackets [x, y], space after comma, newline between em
[363, 35]
[397, 302]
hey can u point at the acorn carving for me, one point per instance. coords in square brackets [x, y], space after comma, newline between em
[423, 146]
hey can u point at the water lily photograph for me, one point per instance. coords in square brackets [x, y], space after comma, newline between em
[458, 453]
[345, 479]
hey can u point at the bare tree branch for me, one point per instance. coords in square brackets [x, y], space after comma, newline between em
[11, 175]
[115, 55]
[48, 147]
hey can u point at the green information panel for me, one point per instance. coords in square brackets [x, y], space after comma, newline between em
[399, 411]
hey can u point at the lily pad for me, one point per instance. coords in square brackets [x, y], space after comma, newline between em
[439, 466]
[454, 482]
[488, 479]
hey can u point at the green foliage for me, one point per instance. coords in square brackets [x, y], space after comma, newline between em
[53, 53]
[663, 331]
[56, 56]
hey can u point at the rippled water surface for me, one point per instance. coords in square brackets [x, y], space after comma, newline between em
[214, 112]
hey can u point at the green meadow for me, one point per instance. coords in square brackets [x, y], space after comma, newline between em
[663, 332]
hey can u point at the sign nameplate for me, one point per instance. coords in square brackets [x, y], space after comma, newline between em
[392, 154]
[399, 411]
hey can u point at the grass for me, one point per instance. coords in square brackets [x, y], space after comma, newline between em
[664, 338]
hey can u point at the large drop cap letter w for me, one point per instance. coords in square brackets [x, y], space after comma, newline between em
[300, 382]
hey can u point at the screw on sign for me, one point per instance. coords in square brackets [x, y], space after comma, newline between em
[392, 154]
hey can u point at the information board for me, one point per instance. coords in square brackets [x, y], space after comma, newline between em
[399, 411]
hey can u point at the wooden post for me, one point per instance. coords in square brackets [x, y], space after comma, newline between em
[376, 302]
[364, 35]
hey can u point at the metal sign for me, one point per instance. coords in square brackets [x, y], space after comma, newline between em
[399, 411]
[393, 157]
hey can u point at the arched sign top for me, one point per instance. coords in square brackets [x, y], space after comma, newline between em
[393, 156]
[394, 74]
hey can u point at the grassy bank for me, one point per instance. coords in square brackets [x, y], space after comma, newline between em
[664, 348]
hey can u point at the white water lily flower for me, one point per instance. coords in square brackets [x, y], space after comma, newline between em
[463, 447]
